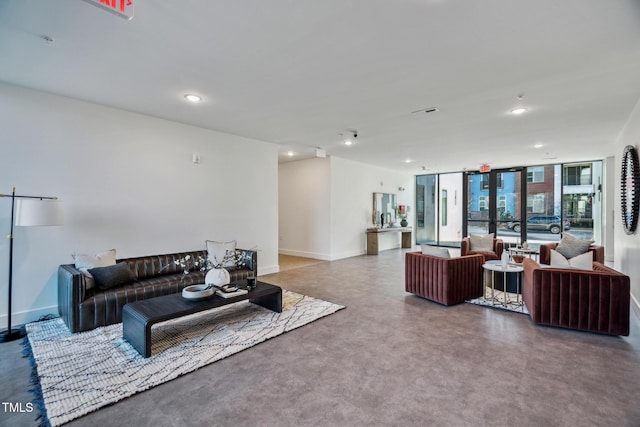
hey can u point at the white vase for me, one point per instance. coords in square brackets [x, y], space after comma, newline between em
[504, 260]
[217, 277]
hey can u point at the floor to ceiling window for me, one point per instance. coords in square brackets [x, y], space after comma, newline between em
[535, 203]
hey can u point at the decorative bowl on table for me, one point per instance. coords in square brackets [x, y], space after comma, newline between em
[198, 292]
[517, 258]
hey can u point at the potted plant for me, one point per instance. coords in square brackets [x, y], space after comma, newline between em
[402, 214]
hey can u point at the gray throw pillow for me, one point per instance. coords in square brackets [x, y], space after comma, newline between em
[112, 276]
[570, 246]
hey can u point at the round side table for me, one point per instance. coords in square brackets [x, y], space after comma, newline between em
[496, 267]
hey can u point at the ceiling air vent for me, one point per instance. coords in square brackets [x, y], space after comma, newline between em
[426, 110]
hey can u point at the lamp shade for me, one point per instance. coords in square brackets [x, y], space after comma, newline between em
[36, 212]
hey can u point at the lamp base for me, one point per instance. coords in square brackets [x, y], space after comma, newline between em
[14, 334]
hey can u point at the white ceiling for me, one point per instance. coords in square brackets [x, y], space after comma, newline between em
[299, 72]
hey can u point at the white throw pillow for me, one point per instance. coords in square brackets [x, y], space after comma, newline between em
[84, 262]
[99, 259]
[435, 251]
[481, 242]
[216, 252]
[581, 262]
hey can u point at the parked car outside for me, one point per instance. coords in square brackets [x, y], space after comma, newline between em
[542, 222]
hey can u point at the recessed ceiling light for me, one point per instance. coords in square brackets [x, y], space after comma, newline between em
[290, 153]
[538, 145]
[192, 98]
[348, 141]
[520, 110]
[408, 161]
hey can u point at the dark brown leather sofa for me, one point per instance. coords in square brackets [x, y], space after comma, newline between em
[595, 301]
[157, 275]
[447, 281]
[545, 252]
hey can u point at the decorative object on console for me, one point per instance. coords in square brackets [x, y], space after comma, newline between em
[402, 213]
[30, 211]
[630, 189]
[385, 203]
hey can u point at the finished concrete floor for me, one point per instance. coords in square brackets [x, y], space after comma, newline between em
[389, 358]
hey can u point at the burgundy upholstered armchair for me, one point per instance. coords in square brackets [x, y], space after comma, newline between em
[498, 247]
[545, 252]
[447, 281]
[595, 301]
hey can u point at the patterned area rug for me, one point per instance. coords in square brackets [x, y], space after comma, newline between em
[80, 373]
[498, 301]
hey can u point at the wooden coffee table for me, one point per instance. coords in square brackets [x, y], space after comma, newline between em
[139, 316]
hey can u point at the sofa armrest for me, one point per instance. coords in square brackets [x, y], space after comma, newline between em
[71, 293]
[465, 246]
[251, 260]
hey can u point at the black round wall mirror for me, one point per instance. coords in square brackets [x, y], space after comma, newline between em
[630, 188]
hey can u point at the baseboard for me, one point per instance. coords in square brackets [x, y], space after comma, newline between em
[268, 270]
[303, 254]
[348, 254]
[635, 306]
[21, 317]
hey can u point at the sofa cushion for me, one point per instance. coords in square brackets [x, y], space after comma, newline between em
[570, 246]
[581, 262]
[481, 242]
[216, 252]
[84, 262]
[435, 251]
[112, 276]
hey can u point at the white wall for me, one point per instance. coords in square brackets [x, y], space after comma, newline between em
[304, 200]
[627, 247]
[352, 188]
[326, 204]
[127, 182]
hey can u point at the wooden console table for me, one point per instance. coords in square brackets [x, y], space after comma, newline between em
[372, 237]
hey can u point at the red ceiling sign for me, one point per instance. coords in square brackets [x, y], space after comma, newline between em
[485, 168]
[121, 8]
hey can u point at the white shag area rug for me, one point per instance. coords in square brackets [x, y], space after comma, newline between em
[80, 373]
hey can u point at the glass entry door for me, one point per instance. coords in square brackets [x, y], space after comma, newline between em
[494, 203]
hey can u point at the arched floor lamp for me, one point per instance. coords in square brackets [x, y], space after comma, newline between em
[30, 211]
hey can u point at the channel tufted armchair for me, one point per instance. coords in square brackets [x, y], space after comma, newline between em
[498, 247]
[545, 252]
[590, 300]
[447, 281]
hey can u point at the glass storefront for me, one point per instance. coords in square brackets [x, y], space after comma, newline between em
[535, 203]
